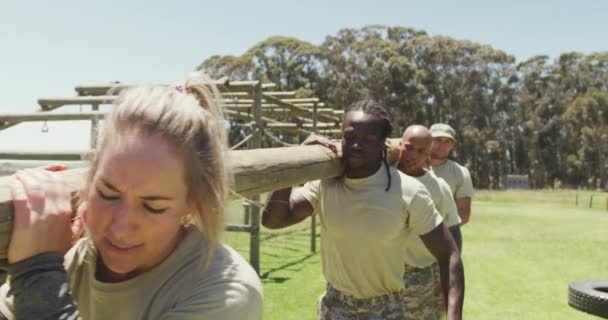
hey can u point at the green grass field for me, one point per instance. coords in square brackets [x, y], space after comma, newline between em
[521, 250]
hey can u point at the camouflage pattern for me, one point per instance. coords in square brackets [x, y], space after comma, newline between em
[441, 307]
[419, 298]
[334, 305]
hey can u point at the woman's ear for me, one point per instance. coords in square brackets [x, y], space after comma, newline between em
[79, 221]
[191, 208]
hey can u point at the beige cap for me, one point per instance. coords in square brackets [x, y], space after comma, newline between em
[443, 130]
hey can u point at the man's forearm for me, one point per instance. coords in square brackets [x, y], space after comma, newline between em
[464, 209]
[452, 284]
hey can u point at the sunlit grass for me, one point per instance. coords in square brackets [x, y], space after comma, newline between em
[521, 250]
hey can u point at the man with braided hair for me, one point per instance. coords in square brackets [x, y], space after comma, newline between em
[366, 217]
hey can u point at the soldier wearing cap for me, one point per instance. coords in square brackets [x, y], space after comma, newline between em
[457, 176]
[423, 297]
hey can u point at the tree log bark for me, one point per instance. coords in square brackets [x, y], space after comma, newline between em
[255, 171]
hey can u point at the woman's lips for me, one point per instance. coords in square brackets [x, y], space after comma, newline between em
[121, 248]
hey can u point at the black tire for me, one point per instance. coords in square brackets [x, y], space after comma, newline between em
[590, 296]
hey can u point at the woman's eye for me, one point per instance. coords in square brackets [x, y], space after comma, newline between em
[106, 197]
[153, 210]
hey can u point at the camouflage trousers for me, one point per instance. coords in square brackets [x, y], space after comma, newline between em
[334, 305]
[420, 297]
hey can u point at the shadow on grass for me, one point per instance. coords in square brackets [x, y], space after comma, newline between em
[286, 252]
[266, 275]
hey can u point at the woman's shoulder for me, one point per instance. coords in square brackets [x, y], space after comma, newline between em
[81, 252]
[231, 269]
[227, 284]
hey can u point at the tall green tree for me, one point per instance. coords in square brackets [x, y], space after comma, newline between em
[536, 117]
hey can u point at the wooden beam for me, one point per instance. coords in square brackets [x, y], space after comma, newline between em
[242, 86]
[255, 171]
[299, 110]
[280, 93]
[321, 125]
[48, 103]
[301, 100]
[46, 116]
[305, 120]
[282, 125]
[331, 132]
[231, 114]
[223, 85]
[44, 155]
[234, 94]
[250, 101]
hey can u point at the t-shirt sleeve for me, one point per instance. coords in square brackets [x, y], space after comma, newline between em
[465, 189]
[38, 289]
[235, 293]
[238, 301]
[423, 216]
[448, 205]
[310, 191]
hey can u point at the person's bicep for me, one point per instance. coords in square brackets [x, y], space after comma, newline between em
[288, 206]
[301, 207]
[439, 242]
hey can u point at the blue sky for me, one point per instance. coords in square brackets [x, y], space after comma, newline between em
[48, 47]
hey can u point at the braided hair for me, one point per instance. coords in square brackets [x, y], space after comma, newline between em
[376, 109]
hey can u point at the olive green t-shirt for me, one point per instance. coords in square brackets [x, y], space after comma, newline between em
[177, 288]
[458, 177]
[364, 228]
[416, 253]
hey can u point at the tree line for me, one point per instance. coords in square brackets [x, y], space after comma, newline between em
[547, 119]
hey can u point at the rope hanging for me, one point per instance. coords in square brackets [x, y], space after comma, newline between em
[277, 140]
[236, 146]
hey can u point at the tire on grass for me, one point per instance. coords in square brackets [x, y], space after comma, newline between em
[590, 296]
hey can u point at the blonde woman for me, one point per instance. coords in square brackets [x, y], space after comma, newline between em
[153, 215]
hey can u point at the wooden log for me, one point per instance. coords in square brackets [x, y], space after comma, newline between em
[74, 179]
[255, 172]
